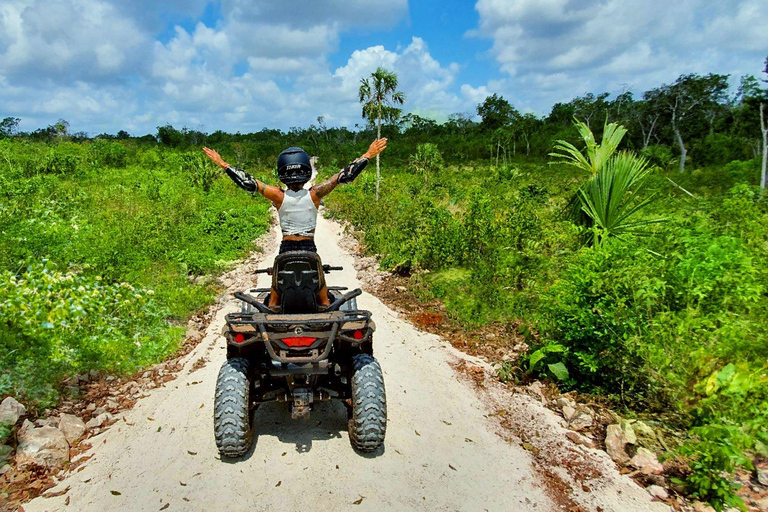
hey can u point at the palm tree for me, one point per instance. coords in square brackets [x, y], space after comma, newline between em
[378, 94]
[609, 202]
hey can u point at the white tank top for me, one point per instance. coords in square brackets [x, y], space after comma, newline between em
[298, 213]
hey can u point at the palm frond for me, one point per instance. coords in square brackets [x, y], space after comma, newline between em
[612, 200]
[594, 155]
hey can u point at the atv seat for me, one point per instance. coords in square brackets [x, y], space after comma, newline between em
[298, 277]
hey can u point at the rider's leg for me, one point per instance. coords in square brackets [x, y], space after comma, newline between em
[322, 296]
[274, 298]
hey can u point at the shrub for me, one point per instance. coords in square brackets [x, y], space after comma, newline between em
[74, 323]
[111, 154]
[426, 160]
[58, 162]
[202, 173]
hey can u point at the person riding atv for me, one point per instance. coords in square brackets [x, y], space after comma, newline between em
[297, 206]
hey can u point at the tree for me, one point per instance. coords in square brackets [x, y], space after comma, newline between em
[413, 123]
[460, 122]
[59, 129]
[379, 95]
[687, 98]
[9, 126]
[170, 136]
[646, 114]
[526, 126]
[496, 112]
[590, 107]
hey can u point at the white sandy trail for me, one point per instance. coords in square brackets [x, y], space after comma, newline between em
[441, 450]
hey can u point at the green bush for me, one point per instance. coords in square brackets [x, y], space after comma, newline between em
[74, 323]
[110, 154]
[58, 162]
[147, 226]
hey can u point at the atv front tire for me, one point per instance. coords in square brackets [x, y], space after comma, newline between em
[368, 424]
[231, 416]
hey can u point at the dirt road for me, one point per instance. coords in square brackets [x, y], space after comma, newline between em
[444, 449]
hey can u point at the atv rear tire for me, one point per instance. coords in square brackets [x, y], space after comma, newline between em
[368, 424]
[231, 415]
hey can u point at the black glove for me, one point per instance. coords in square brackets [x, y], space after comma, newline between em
[241, 178]
[350, 172]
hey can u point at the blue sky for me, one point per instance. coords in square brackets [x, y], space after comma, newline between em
[241, 65]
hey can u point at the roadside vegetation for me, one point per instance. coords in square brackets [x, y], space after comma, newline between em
[98, 241]
[628, 249]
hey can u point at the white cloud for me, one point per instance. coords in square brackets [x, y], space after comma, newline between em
[553, 50]
[68, 39]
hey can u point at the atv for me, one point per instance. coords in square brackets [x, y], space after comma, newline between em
[301, 355]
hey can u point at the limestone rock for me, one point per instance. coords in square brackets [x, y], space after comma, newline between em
[98, 421]
[762, 476]
[536, 390]
[563, 401]
[44, 446]
[657, 492]
[46, 422]
[568, 412]
[25, 425]
[646, 461]
[618, 436]
[580, 439]
[10, 411]
[646, 436]
[581, 418]
[72, 427]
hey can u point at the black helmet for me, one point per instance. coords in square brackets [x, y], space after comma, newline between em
[293, 166]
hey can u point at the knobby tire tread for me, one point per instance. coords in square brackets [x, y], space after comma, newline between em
[368, 424]
[231, 416]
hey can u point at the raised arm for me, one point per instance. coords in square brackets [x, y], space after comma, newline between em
[349, 173]
[245, 181]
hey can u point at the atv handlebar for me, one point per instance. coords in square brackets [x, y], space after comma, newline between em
[326, 269]
[344, 298]
[253, 302]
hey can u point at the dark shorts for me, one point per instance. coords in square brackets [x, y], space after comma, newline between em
[297, 245]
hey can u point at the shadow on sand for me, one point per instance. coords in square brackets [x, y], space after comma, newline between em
[327, 421]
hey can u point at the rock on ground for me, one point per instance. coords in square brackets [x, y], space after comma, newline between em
[99, 420]
[617, 437]
[658, 492]
[580, 439]
[581, 418]
[646, 436]
[762, 476]
[44, 446]
[71, 426]
[10, 411]
[646, 461]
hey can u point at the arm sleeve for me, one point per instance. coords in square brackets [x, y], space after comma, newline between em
[350, 172]
[241, 178]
